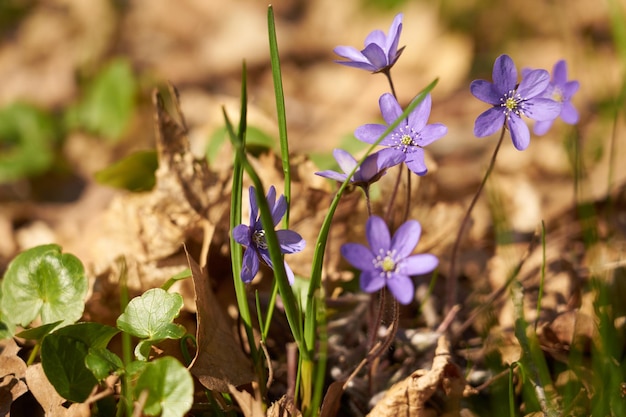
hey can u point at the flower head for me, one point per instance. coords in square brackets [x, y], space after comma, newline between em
[409, 136]
[380, 53]
[511, 101]
[560, 90]
[253, 237]
[388, 261]
[370, 171]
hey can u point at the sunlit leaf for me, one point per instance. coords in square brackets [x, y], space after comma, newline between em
[169, 385]
[44, 282]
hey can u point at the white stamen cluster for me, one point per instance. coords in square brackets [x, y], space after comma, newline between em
[405, 138]
[258, 237]
[512, 102]
[386, 262]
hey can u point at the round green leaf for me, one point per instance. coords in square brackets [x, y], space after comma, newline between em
[63, 361]
[43, 281]
[64, 357]
[150, 316]
[169, 385]
[102, 362]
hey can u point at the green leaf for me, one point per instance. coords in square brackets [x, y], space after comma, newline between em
[150, 316]
[27, 137]
[102, 362]
[136, 172]
[43, 281]
[184, 274]
[169, 385]
[63, 357]
[38, 333]
[109, 102]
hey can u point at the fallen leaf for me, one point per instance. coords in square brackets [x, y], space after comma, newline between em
[249, 405]
[219, 361]
[284, 407]
[12, 372]
[48, 398]
[410, 396]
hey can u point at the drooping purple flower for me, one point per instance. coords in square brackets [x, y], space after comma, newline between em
[410, 136]
[511, 101]
[380, 53]
[370, 171]
[560, 90]
[388, 261]
[253, 237]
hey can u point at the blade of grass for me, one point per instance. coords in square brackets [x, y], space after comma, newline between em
[280, 109]
[235, 219]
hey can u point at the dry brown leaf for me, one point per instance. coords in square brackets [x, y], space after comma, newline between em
[410, 396]
[12, 372]
[249, 405]
[48, 398]
[283, 408]
[219, 361]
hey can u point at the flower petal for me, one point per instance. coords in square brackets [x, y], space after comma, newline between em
[405, 239]
[358, 256]
[569, 114]
[489, 122]
[375, 55]
[419, 116]
[535, 83]
[378, 162]
[241, 234]
[289, 272]
[369, 133]
[431, 133]
[332, 175]
[345, 160]
[250, 265]
[371, 281]
[402, 288]
[360, 65]
[254, 208]
[290, 241]
[393, 37]
[419, 264]
[377, 234]
[415, 162]
[271, 197]
[542, 109]
[279, 210]
[504, 74]
[377, 37]
[541, 128]
[485, 91]
[569, 89]
[519, 132]
[389, 108]
[559, 73]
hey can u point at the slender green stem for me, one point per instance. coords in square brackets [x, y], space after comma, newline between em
[270, 309]
[543, 271]
[452, 282]
[392, 199]
[407, 204]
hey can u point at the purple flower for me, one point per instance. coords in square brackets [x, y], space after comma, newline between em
[409, 136]
[253, 237]
[388, 261]
[380, 53]
[510, 101]
[561, 91]
[370, 171]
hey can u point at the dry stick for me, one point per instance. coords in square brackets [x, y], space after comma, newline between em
[393, 197]
[451, 289]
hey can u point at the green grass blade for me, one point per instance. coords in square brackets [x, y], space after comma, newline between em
[280, 110]
[236, 252]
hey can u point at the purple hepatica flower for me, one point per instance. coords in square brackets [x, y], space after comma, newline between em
[370, 171]
[510, 101]
[388, 261]
[410, 136]
[380, 53]
[561, 91]
[253, 237]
